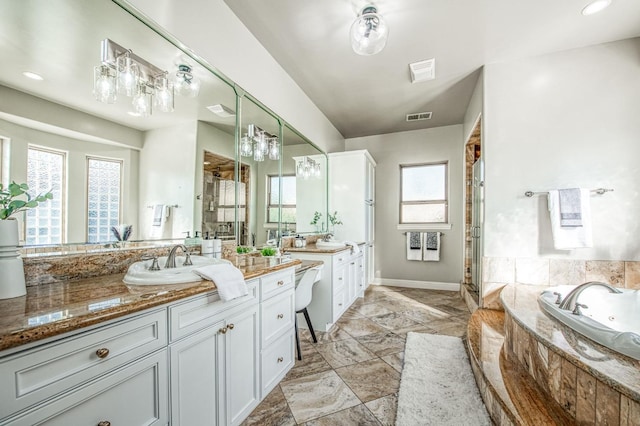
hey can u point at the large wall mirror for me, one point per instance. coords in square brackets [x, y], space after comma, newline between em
[167, 173]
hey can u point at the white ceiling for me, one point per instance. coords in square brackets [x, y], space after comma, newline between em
[371, 95]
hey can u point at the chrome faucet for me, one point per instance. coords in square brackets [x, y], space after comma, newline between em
[328, 237]
[569, 303]
[171, 259]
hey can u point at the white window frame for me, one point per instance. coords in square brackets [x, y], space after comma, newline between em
[284, 206]
[425, 225]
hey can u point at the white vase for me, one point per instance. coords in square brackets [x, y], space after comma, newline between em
[12, 282]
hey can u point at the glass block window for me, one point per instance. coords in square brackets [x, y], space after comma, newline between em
[288, 198]
[45, 171]
[104, 194]
[423, 193]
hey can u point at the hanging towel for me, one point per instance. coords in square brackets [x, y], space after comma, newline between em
[414, 240]
[161, 213]
[414, 254]
[570, 237]
[570, 207]
[431, 250]
[228, 280]
[158, 211]
[355, 249]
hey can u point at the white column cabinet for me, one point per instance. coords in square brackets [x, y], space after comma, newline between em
[352, 195]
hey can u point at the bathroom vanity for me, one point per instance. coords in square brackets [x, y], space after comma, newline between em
[97, 352]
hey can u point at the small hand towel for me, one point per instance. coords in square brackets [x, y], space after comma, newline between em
[228, 280]
[414, 238]
[158, 209]
[413, 254]
[355, 249]
[431, 249]
[570, 207]
[570, 237]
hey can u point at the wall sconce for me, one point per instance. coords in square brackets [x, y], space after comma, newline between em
[260, 144]
[368, 32]
[124, 72]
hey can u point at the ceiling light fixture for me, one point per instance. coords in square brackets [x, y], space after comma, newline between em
[33, 75]
[595, 7]
[185, 82]
[369, 32]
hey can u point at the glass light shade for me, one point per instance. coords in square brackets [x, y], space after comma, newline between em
[246, 146]
[164, 94]
[274, 149]
[300, 169]
[258, 154]
[316, 170]
[369, 32]
[186, 84]
[104, 84]
[142, 103]
[128, 75]
[262, 143]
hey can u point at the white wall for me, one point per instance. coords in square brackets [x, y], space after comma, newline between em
[568, 119]
[76, 168]
[419, 146]
[474, 109]
[218, 36]
[167, 170]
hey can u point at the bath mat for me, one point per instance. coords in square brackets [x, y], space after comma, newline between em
[437, 386]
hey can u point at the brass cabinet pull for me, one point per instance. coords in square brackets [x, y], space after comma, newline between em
[102, 353]
[280, 359]
[223, 330]
[280, 283]
[104, 423]
[230, 326]
[280, 316]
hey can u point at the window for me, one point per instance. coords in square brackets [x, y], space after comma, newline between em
[288, 198]
[423, 189]
[104, 179]
[45, 171]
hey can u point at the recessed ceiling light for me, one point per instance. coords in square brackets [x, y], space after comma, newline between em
[33, 75]
[595, 7]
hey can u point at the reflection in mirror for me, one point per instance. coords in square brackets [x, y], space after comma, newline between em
[57, 122]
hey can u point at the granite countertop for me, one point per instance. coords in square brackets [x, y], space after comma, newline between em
[52, 309]
[619, 371]
[312, 248]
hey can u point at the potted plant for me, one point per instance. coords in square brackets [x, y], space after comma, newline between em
[333, 220]
[316, 218]
[14, 198]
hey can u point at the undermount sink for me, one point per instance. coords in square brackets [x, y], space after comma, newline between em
[139, 273]
[321, 244]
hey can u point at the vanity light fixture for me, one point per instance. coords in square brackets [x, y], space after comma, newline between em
[307, 168]
[128, 74]
[274, 149]
[260, 144]
[185, 82]
[369, 32]
[163, 93]
[595, 7]
[246, 146]
[104, 84]
[142, 103]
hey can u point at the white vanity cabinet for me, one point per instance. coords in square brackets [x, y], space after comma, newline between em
[341, 283]
[214, 359]
[352, 194]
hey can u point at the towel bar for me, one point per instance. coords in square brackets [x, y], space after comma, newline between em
[442, 234]
[599, 191]
[175, 206]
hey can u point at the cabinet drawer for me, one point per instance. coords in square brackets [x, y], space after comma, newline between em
[133, 395]
[196, 314]
[341, 258]
[276, 283]
[339, 279]
[339, 304]
[45, 371]
[276, 360]
[277, 316]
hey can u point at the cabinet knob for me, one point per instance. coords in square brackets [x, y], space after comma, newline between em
[230, 326]
[340, 279]
[280, 283]
[340, 259]
[223, 330]
[102, 353]
[280, 359]
[353, 263]
[339, 304]
[104, 423]
[280, 316]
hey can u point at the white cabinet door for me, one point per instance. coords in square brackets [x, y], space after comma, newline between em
[133, 395]
[242, 365]
[352, 280]
[196, 379]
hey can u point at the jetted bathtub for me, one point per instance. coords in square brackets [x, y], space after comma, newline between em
[610, 319]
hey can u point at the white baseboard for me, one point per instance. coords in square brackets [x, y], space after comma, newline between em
[426, 285]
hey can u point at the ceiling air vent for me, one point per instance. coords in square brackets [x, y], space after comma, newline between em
[423, 70]
[417, 116]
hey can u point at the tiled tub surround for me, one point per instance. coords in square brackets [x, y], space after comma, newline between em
[53, 309]
[593, 384]
[497, 272]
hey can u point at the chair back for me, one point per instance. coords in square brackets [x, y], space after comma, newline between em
[305, 286]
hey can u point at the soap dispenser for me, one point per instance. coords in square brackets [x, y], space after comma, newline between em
[206, 247]
[188, 240]
[197, 240]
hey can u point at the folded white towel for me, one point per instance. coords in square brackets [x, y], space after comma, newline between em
[355, 249]
[228, 279]
[413, 254]
[570, 237]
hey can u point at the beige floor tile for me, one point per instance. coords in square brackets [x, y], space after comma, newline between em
[360, 327]
[359, 378]
[394, 320]
[317, 395]
[273, 410]
[311, 363]
[384, 409]
[345, 352]
[382, 343]
[395, 360]
[358, 415]
[372, 309]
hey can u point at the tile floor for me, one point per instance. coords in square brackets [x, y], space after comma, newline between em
[352, 375]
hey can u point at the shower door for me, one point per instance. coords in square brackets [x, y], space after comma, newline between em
[476, 225]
